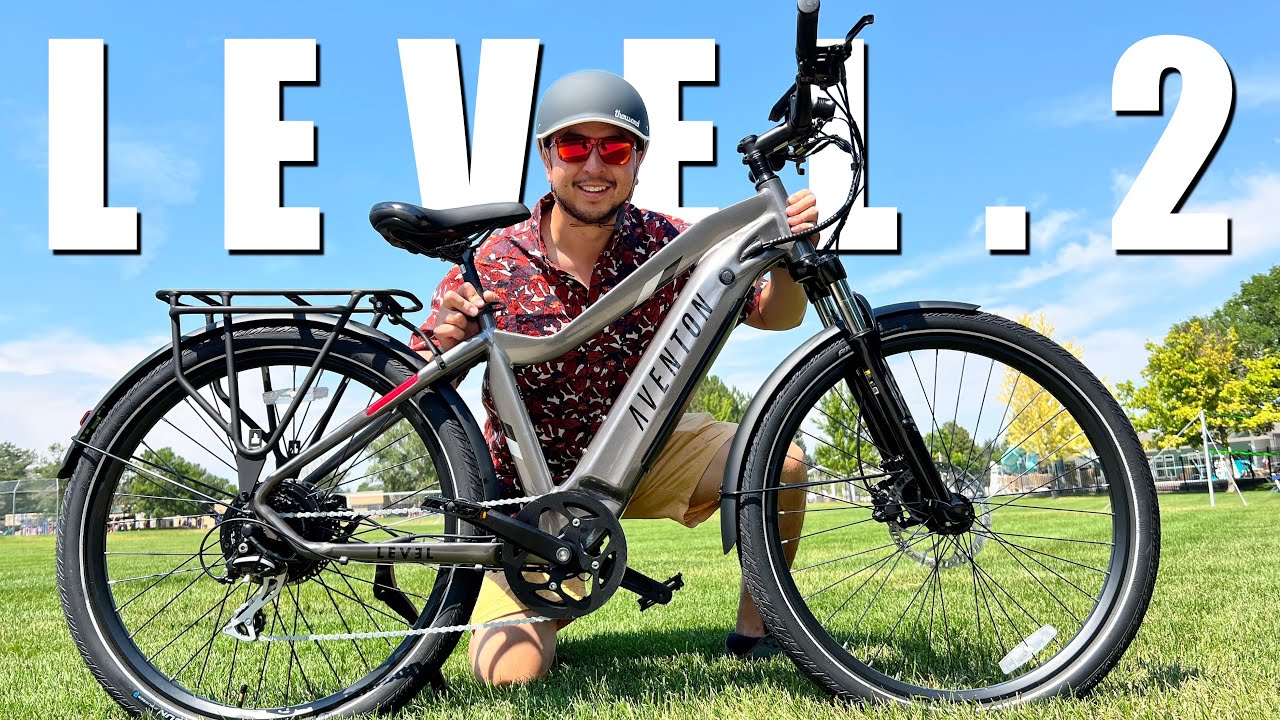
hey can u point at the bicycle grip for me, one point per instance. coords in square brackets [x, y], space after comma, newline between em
[806, 31]
[806, 52]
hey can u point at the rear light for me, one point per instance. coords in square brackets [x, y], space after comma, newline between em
[85, 416]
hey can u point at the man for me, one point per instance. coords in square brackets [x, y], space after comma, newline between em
[583, 238]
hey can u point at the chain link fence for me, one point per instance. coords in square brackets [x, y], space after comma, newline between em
[31, 505]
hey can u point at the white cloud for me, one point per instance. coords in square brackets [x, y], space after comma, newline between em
[1120, 183]
[65, 352]
[1084, 108]
[1258, 89]
[979, 223]
[1072, 257]
[48, 382]
[162, 174]
[1094, 107]
[1046, 231]
[1255, 225]
[1112, 303]
[1116, 355]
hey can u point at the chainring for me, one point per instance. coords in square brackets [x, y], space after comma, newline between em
[593, 574]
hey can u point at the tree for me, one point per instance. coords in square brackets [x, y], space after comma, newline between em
[1198, 368]
[34, 473]
[1254, 312]
[1039, 425]
[401, 462]
[952, 444]
[845, 448]
[16, 462]
[725, 402]
[171, 486]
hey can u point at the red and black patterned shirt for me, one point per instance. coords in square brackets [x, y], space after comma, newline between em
[567, 398]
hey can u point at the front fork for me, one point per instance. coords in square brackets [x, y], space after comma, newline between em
[905, 456]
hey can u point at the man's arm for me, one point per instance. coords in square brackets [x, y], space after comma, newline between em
[782, 300]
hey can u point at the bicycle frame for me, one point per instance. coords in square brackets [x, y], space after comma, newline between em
[645, 412]
[723, 252]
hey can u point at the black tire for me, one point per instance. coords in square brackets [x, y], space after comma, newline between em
[1078, 551]
[143, 661]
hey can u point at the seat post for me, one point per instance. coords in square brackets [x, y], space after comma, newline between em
[470, 275]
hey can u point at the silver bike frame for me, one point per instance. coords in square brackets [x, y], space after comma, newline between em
[646, 410]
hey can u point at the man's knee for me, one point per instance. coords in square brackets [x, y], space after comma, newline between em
[794, 470]
[513, 654]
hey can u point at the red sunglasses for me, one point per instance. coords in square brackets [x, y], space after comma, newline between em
[576, 149]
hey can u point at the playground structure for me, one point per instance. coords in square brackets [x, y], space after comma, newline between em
[1212, 468]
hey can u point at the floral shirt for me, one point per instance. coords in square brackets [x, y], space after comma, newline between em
[567, 398]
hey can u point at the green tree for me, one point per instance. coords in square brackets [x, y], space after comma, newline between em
[845, 447]
[171, 486]
[16, 462]
[725, 402]
[1040, 425]
[1254, 312]
[400, 462]
[1198, 368]
[952, 444]
[34, 473]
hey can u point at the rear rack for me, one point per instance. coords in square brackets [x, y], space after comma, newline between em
[215, 305]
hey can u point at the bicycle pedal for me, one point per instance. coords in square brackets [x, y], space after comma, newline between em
[651, 591]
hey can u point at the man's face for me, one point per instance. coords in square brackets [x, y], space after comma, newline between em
[591, 191]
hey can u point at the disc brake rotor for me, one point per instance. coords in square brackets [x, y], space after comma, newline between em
[949, 551]
[589, 578]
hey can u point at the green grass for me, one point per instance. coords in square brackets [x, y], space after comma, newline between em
[1209, 648]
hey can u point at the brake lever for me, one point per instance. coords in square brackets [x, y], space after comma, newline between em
[783, 105]
[859, 27]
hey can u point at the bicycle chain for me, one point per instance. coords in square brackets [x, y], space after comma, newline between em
[400, 511]
[470, 627]
[402, 633]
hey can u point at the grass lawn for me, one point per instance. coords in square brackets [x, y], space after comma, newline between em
[1209, 648]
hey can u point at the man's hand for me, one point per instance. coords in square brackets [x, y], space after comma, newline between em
[802, 212]
[456, 320]
[782, 302]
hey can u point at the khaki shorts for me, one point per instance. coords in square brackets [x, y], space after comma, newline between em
[663, 493]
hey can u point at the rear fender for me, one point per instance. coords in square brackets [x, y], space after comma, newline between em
[368, 334]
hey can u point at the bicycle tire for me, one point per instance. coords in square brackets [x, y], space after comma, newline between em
[112, 638]
[897, 663]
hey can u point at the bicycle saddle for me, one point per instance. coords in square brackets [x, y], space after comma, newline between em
[442, 234]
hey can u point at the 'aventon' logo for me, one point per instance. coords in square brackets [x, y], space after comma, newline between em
[647, 396]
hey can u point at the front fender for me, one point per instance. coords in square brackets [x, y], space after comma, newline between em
[364, 332]
[763, 399]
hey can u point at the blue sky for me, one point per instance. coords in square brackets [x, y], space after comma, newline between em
[1000, 104]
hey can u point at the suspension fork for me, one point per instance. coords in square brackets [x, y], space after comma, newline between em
[889, 421]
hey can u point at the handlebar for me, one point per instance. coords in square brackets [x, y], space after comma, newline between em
[797, 109]
[806, 54]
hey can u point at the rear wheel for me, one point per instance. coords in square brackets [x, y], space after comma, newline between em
[1039, 592]
[152, 517]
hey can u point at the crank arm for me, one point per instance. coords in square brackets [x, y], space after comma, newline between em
[544, 545]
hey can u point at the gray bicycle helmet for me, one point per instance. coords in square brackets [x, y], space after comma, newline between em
[592, 96]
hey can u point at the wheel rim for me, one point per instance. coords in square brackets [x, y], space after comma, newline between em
[155, 594]
[922, 615]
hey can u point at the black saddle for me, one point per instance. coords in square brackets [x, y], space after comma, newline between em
[442, 234]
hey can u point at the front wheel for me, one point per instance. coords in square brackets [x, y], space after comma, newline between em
[1038, 593]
